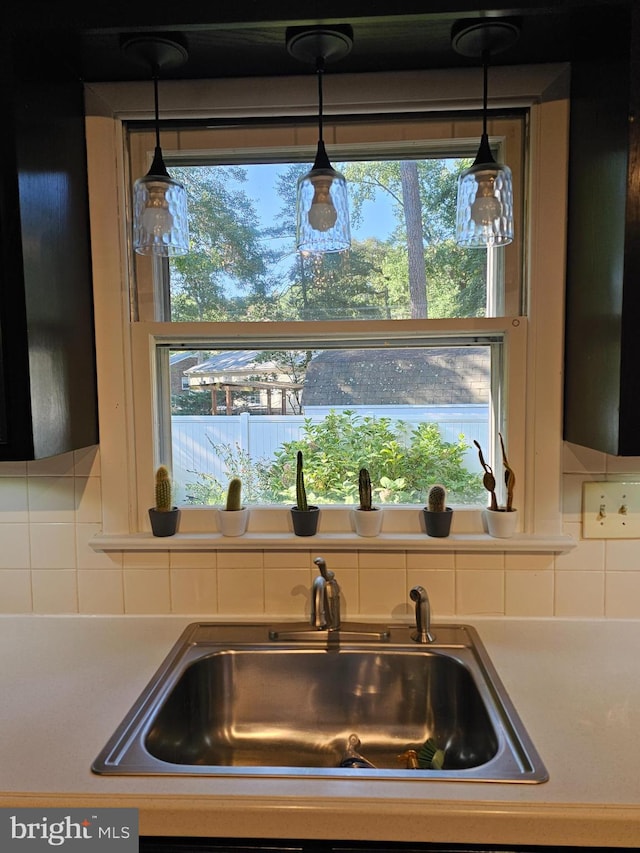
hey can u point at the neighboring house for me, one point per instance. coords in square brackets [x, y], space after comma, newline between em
[242, 380]
[403, 377]
[178, 363]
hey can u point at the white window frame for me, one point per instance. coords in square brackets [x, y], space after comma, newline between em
[125, 349]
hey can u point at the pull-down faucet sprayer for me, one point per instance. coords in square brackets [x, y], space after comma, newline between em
[422, 634]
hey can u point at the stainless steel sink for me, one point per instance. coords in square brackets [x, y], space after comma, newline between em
[245, 701]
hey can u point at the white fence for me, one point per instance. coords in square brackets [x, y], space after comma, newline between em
[195, 437]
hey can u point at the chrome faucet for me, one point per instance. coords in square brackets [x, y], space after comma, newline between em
[422, 634]
[325, 599]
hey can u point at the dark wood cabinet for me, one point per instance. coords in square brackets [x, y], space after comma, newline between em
[48, 400]
[602, 346]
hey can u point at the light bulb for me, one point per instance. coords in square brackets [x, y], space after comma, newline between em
[322, 213]
[486, 208]
[156, 218]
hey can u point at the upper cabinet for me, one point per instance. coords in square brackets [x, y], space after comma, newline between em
[48, 400]
[602, 350]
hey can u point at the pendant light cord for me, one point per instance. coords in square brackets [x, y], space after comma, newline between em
[320, 72]
[485, 70]
[156, 74]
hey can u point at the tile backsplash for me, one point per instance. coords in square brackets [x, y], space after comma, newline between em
[50, 510]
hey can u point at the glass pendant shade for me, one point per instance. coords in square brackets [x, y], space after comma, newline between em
[322, 209]
[160, 224]
[485, 202]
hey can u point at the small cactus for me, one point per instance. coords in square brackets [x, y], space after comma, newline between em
[301, 494]
[437, 499]
[364, 488]
[234, 494]
[163, 490]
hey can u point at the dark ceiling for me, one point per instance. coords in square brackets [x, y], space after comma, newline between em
[246, 38]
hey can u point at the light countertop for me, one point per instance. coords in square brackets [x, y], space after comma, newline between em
[66, 682]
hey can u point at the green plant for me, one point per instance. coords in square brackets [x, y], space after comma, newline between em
[509, 476]
[234, 495]
[163, 489]
[364, 490]
[301, 493]
[437, 499]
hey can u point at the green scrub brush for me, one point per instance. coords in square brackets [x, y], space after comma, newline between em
[429, 756]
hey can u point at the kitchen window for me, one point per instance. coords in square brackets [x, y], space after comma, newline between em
[501, 331]
[407, 402]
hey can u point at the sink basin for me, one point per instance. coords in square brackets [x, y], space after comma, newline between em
[241, 700]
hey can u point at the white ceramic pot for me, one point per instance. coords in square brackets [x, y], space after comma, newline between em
[500, 523]
[233, 522]
[368, 522]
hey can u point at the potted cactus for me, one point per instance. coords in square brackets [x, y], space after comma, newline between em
[437, 515]
[366, 517]
[501, 521]
[303, 515]
[233, 519]
[164, 516]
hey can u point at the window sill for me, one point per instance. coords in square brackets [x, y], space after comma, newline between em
[337, 541]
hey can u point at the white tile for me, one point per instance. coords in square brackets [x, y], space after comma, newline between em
[529, 562]
[87, 557]
[240, 559]
[622, 595]
[582, 460]
[441, 589]
[382, 559]
[622, 555]
[579, 594]
[588, 555]
[627, 465]
[287, 592]
[529, 593]
[13, 469]
[53, 546]
[146, 560]
[86, 462]
[54, 591]
[15, 552]
[289, 560]
[193, 559]
[147, 591]
[240, 591]
[194, 591]
[572, 492]
[15, 591]
[51, 499]
[100, 591]
[14, 504]
[88, 499]
[383, 592]
[480, 592]
[52, 466]
[430, 560]
[479, 560]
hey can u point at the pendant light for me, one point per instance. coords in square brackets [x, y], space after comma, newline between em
[322, 207]
[484, 215]
[160, 225]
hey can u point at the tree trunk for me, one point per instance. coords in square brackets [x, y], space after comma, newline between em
[415, 244]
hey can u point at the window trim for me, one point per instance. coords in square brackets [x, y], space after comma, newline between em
[542, 88]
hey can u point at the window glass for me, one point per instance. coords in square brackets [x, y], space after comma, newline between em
[408, 410]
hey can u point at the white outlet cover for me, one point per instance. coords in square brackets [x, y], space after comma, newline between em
[611, 510]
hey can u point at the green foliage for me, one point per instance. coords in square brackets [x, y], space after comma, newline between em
[206, 490]
[400, 461]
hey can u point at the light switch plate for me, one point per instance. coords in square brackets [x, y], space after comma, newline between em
[611, 510]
